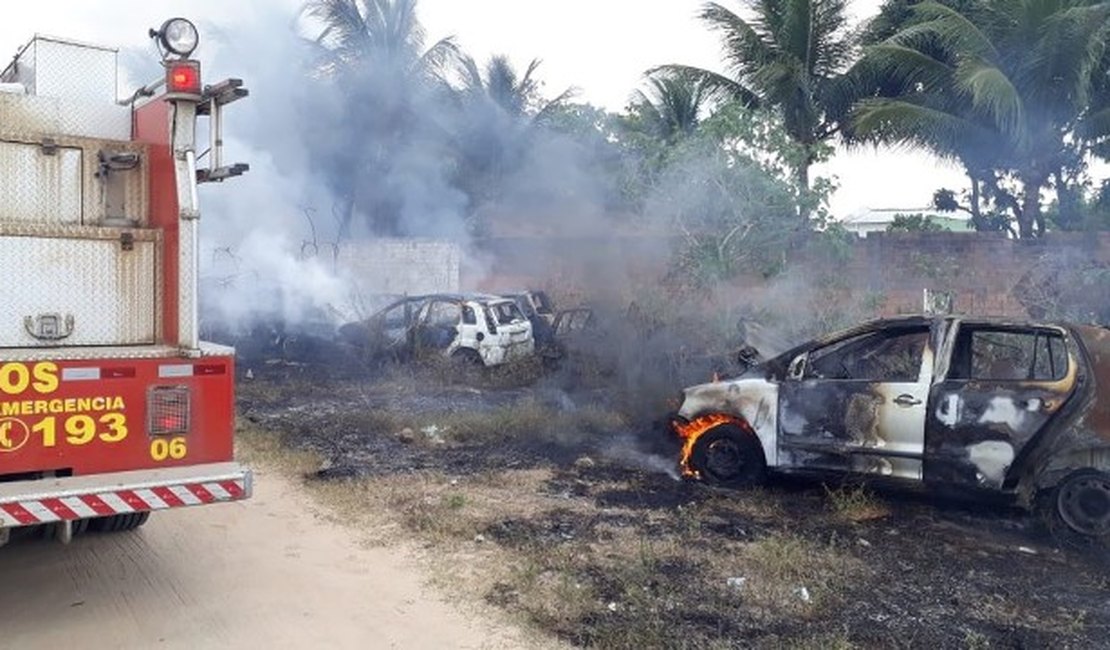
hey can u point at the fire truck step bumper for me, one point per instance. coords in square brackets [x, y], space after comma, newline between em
[30, 503]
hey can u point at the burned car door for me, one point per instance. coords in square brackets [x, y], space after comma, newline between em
[1002, 388]
[438, 328]
[858, 404]
[388, 333]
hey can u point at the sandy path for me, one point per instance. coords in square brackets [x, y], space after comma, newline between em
[265, 573]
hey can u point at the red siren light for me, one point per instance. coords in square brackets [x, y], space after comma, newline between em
[183, 78]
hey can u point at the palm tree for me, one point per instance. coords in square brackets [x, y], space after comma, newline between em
[517, 95]
[672, 106]
[500, 113]
[384, 34]
[785, 55]
[373, 55]
[1003, 87]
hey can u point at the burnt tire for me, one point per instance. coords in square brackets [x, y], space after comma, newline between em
[729, 456]
[1077, 510]
[119, 523]
[467, 358]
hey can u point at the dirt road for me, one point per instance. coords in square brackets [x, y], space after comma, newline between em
[265, 573]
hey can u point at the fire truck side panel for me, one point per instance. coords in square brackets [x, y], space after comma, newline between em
[96, 416]
[152, 127]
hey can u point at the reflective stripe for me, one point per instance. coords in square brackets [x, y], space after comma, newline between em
[113, 501]
[185, 495]
[153, 500]
[80, 374]
[46, 509]
[176, 370]
[79, 507]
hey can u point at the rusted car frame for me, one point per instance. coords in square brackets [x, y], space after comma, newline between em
[982, 406]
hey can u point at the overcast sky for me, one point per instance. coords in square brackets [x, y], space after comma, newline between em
[600, 47]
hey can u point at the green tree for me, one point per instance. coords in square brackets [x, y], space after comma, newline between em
[729, 192]
[517, 95]
[913, 223]
[501, 112]
[671, 107]
[379, 80]
[1005, 88]
[788, 56]
[383, 34]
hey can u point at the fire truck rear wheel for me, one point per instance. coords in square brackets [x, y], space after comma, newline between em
[119, 523]
[79, 526]
[729, 456]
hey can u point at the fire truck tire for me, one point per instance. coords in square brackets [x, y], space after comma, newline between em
[728, 456]
[80, 526]
[119, 523]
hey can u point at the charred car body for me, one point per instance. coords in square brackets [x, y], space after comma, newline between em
[1017, 409]
[472, 328]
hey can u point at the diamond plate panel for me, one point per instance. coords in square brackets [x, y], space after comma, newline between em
[39, 117]
[105, 293]
[82, 118]
[72, 70]
[19, 176]
[36, 186]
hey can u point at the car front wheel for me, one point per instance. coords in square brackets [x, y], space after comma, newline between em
[730, 456]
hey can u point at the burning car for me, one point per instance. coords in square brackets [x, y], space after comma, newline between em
[980, 406]
[471, 328]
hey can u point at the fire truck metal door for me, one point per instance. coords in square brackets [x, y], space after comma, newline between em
[75, 286]
[40, 184]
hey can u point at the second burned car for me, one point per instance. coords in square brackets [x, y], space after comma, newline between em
[1014, 409]
[471, 328]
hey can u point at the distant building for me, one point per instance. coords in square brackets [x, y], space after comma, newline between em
[878, 219]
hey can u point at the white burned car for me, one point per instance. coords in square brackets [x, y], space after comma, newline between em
[472, 328]
[945, 403]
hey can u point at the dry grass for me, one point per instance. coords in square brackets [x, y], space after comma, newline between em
[612, 585]
[795, 574]
[856, 503]
[1003, 611]
[529, 419]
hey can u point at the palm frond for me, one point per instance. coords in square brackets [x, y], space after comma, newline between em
[717, 85]
[900, 121]
[745, 46]
[1070, 46]
[991, 90]
[955, 30]
[1095, 126]
[906, 65]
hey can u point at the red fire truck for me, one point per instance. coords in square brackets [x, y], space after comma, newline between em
[110, 405]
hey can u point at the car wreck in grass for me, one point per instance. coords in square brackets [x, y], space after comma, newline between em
[979, 406]
[475, 329]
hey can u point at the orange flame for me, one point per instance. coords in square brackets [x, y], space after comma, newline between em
[691, 431]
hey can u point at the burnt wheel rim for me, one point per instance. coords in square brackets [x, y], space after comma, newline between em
[1084, 505]
[724, 460]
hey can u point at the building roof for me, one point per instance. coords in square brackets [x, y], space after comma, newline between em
[882, 216]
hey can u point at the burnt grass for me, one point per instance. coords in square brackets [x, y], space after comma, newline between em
[623, 555]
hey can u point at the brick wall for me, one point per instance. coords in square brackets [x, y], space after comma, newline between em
[890, 270]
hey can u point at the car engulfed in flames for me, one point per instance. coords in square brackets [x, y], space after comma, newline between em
[937, 402]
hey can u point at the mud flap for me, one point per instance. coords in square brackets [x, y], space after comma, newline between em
[63, 531]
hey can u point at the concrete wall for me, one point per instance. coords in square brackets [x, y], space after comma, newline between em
[400, 266]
